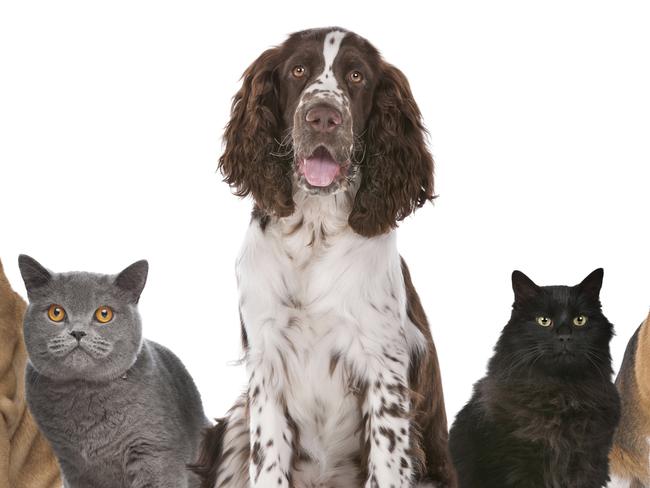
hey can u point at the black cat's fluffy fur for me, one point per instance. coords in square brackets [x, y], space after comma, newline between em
[545, 413]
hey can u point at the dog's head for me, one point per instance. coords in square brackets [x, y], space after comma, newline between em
[324, 113]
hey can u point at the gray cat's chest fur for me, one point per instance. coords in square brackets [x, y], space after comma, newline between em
[102, 432]
[89, 422]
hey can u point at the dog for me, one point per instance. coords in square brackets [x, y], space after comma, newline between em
[629, 459]
[26, 459]
[344, 383]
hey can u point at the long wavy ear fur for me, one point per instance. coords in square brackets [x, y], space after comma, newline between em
[397, 171]
[252, 136]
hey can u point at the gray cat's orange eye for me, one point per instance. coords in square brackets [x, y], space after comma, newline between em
[544, 321]
[104, 315]
[56, 313]
[580, 320]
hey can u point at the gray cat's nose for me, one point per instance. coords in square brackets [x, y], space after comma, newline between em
[77, 334]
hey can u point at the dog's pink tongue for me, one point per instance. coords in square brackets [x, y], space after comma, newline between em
[321, 169]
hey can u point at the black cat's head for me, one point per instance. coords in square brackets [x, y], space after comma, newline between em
[556, 330]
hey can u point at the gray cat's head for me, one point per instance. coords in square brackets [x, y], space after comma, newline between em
[82, 325]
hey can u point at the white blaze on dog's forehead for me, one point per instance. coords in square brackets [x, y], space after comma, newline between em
[326, 82]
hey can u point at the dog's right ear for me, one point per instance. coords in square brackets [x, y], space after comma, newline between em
[252, 136]
[34, 274]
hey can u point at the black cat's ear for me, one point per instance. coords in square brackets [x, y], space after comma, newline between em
[33, 273]
[133, 279]
[592, 283]
[523, 286]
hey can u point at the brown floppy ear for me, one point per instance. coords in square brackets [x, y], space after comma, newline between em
[252, 137]
[397, 171]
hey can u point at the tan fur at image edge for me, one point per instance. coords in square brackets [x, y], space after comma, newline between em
[26, 459]
[629, 457]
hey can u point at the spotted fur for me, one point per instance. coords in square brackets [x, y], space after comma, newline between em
[344, 386]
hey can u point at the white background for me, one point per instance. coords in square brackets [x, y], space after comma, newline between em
[110, 122]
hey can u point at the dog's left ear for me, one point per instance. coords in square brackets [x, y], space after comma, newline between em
[248, 162]
[397, 171]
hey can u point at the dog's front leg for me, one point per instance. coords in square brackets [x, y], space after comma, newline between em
[386, 415]
[267, 313]
[271, 431]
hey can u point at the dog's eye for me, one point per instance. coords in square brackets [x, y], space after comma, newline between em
[580, 320]
[544, 321]
[298, 71]
[355, 76]
[104, 315]
[56, 313]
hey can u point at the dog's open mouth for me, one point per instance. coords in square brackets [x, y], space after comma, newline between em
[321, 169]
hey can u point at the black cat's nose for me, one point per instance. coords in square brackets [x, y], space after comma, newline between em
[77, 334]
[564, 337]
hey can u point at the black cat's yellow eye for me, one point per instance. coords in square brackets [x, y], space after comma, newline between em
[580, 320]
[355, 76]
[298, 71]
[56, 313]
[544, 321]
[104, 315]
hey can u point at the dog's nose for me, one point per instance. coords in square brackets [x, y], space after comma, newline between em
[323, 119]
[77, 334]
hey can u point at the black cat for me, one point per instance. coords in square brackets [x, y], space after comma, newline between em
[545, 413]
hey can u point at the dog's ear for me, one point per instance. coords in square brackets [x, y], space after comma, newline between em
[397, 171]
[251, 139]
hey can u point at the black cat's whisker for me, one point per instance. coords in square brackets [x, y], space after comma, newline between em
[596, 360]
[537, 358]
[521, 358]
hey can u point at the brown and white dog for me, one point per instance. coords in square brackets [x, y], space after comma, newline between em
[629, 459]
[26, 459]
[344, 387]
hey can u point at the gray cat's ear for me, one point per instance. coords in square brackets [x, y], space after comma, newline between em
[523, 287]
[33, 273]
[592, 284]
[133, 279]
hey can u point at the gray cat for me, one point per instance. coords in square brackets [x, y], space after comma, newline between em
[118, 410]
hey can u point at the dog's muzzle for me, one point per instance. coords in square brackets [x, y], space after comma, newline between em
[323, 141]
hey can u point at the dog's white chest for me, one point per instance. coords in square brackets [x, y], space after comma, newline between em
[324, 404]
[321, 348]
[324, 311]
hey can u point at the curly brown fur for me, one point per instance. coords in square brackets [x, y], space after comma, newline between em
[248, 162]
[397, 172]
[328, 140]
[390, 153]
